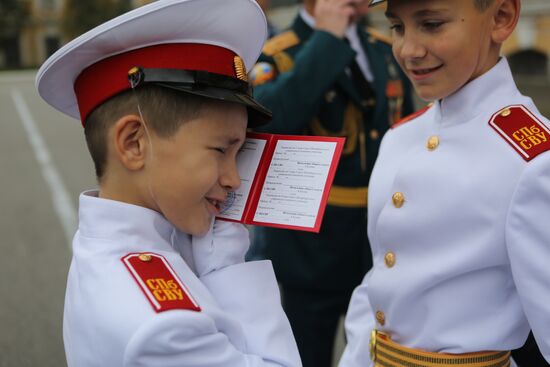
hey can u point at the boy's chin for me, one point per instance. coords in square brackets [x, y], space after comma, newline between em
[197, 229]
[430, 95]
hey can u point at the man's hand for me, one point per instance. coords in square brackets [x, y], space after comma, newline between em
[225, 244]
[334, 16]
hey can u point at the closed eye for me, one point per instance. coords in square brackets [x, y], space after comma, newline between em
[220, 150]
[432, 25]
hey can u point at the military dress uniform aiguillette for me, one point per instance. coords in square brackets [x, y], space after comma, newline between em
[309, 80]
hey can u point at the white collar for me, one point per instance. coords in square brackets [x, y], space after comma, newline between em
[115, 220]
[488, 91]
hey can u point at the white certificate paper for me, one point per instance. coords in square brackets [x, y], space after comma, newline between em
[248, 161]
[295, 183]
[285, 181]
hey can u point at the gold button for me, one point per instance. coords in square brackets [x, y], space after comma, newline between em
[433, 143]
[145, 257]
[389, 259]
[374, 134]
[506, 112]
[381, 318]
[398, 199]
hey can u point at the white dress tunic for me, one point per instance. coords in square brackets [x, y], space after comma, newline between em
[462, 253]
[109, 321]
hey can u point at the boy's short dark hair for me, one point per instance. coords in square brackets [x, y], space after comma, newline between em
[483, 4]
[163, 109]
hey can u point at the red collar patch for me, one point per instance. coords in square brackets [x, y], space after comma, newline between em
[159, 282]
[522, 130]
[412, 116]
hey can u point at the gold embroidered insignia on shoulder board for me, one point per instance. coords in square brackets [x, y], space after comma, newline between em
[379, 36]
[159, 282]
[283, 61]
[280, 43]
[528, 135]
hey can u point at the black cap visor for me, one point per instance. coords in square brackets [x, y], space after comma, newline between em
[205, 84]
[376, 2]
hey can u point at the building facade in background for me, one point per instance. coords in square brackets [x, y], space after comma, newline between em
[529, 48]
[40, 35]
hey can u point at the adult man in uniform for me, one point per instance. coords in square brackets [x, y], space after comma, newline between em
[327, 76]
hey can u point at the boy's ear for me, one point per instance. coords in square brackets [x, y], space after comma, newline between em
[130, 141]
[506, 17]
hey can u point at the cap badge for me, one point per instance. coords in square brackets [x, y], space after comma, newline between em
[240, 69]
[135, 76]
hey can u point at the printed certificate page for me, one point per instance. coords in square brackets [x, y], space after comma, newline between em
[295, 183]
[248, 160]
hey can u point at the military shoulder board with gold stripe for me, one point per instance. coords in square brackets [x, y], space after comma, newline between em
[280, 43]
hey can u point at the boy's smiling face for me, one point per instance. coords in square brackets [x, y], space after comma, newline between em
[441, 44]
[191, 172]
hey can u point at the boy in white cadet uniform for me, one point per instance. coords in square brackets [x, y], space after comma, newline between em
[154, 280]
[459, 201]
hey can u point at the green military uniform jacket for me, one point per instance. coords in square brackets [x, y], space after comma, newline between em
[301, 76]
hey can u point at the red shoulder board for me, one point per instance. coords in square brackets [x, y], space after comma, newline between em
[522, 130]
[159, 282]
[412, 116]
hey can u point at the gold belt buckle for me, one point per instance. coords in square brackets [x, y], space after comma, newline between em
[372, 345]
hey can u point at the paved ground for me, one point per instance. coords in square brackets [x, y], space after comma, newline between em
[44, 166]
[37, 146]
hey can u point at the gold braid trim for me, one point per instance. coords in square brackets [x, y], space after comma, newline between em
[352, 130]
[280, 42]
[283, 61]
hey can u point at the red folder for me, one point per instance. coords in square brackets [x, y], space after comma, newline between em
[291, 184]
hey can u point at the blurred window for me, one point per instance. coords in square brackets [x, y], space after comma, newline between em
[52, 44]
[529, 62]
[9, 47]
[48, 4]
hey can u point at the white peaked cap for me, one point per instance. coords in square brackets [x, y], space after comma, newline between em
[238, 26]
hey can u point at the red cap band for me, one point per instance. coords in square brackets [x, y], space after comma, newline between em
[109, 77]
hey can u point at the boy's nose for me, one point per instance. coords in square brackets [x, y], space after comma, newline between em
[230, 179]
[410, 47]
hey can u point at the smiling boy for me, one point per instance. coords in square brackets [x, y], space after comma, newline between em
[163, 96]
[459, 201]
